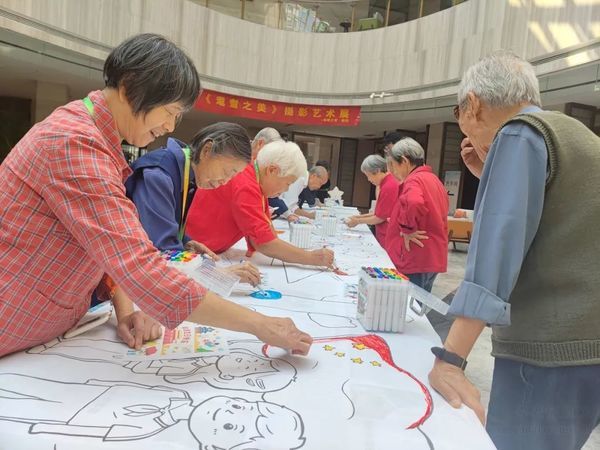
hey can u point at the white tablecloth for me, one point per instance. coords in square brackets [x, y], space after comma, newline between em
[349, 393]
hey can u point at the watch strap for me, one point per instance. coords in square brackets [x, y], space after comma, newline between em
[449, 357]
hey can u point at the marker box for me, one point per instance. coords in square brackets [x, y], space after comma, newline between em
[203, 270]
[382, 299]
[329, 225]
[301, 234]
[319, 214]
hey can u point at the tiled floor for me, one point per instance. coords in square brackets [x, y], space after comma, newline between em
[481, 363]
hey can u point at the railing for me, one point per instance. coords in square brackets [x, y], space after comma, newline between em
[328, 16]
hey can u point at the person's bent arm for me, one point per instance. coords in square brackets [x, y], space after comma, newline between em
[413, 207]
[510, 203]
[303, 213]
[88, 198]
[277, 331]
[280, 249]
[471, 158]
[368, 219]
[450, 381]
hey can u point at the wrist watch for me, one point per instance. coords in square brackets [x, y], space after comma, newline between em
[449, 357]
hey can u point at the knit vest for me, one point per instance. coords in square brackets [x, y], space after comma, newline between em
[555, 305]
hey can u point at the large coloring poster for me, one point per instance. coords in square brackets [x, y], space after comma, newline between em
[355, 390]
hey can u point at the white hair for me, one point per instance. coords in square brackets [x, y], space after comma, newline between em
[268, 135]
[285, 155]
[408, 148]
[373, 164]
[501, 79]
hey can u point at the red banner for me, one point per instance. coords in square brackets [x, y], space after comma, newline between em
[296, 113]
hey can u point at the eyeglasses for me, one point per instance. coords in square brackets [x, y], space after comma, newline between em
[456, 111]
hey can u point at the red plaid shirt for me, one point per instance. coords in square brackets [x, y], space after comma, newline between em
[65, 222]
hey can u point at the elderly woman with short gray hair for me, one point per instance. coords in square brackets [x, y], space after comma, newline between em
[375, 169]
[417, 236]
[63, 200]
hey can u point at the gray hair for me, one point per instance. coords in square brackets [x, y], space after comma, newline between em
[501, 79]
[285, 155]
[319, 171]
[373, 164]
[228, 139]
[409, 149]
[268, 135]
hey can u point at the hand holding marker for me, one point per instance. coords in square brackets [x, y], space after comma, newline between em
[334, 267]
[264, 294]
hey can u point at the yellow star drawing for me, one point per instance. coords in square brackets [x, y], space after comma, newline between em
[357, 360]
[328, 348]
[340, 354]
[359, 346]
[376, 363]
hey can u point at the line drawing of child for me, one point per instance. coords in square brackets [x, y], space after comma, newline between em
[240, 370]
[125, 411]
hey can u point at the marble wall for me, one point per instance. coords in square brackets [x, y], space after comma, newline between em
[421, 59]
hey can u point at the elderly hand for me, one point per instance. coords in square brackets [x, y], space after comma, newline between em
[197, 247]
[453, 385]
[281, 332]
[293, 218]
[415, 238]
[471, 157]
[247, 272]
[351, 222]
[322, 257]
[138, 327]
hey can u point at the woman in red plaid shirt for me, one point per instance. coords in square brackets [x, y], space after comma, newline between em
[66, 220]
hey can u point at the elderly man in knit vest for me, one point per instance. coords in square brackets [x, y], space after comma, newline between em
[533, 264]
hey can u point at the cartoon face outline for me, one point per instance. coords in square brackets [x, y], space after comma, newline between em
[247, 371]
[228, 423]
[241, 364]
[224, 421]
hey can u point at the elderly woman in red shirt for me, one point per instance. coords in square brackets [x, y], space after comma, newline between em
[221, 217]
[417, 236]
[375, 169]
[66, 220]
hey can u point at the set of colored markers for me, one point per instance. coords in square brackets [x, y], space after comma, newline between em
[382, 299]
[301, 233]
[179, 256]
[203, 270]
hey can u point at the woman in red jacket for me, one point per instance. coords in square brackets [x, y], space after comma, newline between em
[417, 235]
[375, 169]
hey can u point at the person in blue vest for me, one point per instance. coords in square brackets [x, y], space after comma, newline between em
[164, 180]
